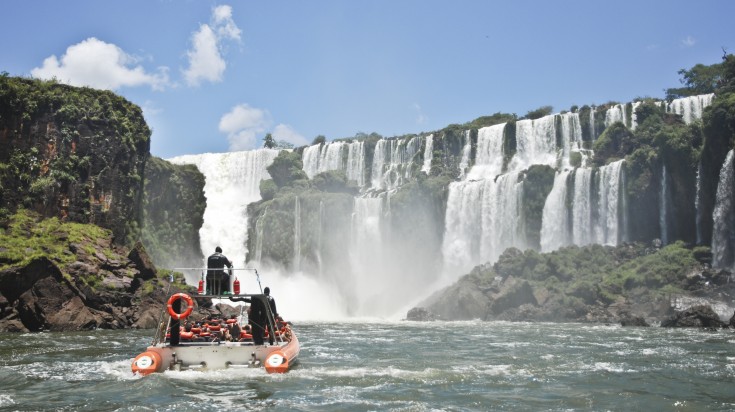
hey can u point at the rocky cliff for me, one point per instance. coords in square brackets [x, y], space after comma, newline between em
[173, 213]
[67, 276]
[74, 153]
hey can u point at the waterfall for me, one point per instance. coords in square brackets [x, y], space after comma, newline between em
[581, 207]
[322, 158]
[535, 143]
[356, 163]
[571, 136]
[259, 233]
[723, 233]
[392, 162]
[615, 114]
[297, 235]
[555, 220]
[366, 252]
[232, 181]
[464, 163]
[633, 116]
[489, 156]
[428, 154]
[310, 159]
[697, 203]
[593, 127]
[690, 108]
[663, 205]
[607, 228]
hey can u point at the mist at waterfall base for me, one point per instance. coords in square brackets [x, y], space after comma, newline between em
[379, 284]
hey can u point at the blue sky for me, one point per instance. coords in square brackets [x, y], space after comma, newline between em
[215, 76]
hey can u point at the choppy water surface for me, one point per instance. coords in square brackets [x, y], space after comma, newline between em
[393, 366]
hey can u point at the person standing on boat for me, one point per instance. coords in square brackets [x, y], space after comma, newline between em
[271, 301]
[218, 281]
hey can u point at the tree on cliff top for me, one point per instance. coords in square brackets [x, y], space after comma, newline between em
[286, 168]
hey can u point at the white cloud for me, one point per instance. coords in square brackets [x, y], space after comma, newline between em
[242, 125]
[288, 134]
[226, 27]
[688, 42]
[205, 56]
[101, 65]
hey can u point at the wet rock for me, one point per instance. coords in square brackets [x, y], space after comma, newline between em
[702, 316]
[627, 319]
[142, 262]
[513, 294]
[420, 315]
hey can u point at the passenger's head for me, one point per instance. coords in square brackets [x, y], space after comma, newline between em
[267, 290]
[218, 249]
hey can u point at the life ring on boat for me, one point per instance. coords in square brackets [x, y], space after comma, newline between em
[146, 363]
[189, 302]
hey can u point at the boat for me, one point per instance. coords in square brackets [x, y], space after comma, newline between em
[177, 348]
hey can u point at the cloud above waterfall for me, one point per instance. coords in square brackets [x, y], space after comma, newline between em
[420, 116]
[243, 124]
[95, 63]
[287, 133]
[205, 57]
[689, 41]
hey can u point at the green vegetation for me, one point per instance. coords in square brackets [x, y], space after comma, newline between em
[27, 236]
[604, 274]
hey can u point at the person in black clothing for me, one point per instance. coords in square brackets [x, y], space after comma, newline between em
[271, 301]
[258, 319]
[218, 281]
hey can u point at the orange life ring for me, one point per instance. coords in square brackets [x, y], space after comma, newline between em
[189, 308]
[146, 363]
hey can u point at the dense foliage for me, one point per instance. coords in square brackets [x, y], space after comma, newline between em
[77, 153]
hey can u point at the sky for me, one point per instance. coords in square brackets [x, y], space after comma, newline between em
[217, 76]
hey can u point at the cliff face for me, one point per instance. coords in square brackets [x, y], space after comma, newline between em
[173, 213]
[74, 153]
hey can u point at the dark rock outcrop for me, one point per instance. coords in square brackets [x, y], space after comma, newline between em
[420, 315]
[173, 212]
[41, 295]
[701, 316]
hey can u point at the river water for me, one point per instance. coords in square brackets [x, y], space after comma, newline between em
[403, 366]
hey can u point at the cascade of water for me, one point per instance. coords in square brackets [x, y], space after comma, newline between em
[356, 163]
[615, 114]
[323, 157]
[232, 181]
[690, 108]
[259, 233]
[663, 205]
[391, 162]
[582, 209]
[366, 253]
[428, 154]
[319, 240]
[489, 156]
[466, 151]
[697, 203]
[723, 230]
[331, 157]
[593, 128]
[555, 218]
[535, 143]
[571, 134]
[502, 224]
[633, 116]
[297, 235]
[607, 229]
